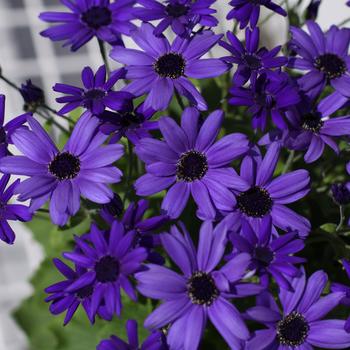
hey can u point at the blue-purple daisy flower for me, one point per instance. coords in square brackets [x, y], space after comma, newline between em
[181, 15]
[97, 93]
[325, 59]
[258, 194]
[199, 291]
[101, 18]
[269, 96]
[189, 161]
[62, 301]
[155, 341]
[250, 59]
[299, 324]
[7, 129]
[162, 68]
[247, 11]
[270, 255]
[109, 260]
[131, 122]
[10, 212]
[83, 167]
[339, 287]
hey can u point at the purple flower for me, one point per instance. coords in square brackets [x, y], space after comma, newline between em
[109, 259]
[259, 195]
[32, 95]
[89, 18]
[161, 68]
[269, 96]
[83, 167]
[338, 287]
[326, 60]
[348, 3]
[190, 161]
[269, 255]
[97, 93]
[312, 10]
[181, 15]
[300, 324]
[7, 129]
[248, 11]
[250, 59]
[155, 341]
[10, 212]
[340, 193]
[199, 291]
[61, 300]
[130, 122]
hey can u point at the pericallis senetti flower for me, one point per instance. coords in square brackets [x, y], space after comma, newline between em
[181, 15]
[299, 325]
[89, 18]
[97, 93]
[109, 259]
[258, 194]
[325, 58]
[155, 341]
[249, 58]
[10, 212]
[83, 167]
[163, 68]
[270, 255]
[199, 291]
[248, 11]
[189, 161]
[33, 96]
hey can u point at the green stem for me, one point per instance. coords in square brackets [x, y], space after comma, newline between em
[341, 218]
[179, 100]
[346, 20]
[289, 162]
[103, 52]
[42, 210]
[53, 121]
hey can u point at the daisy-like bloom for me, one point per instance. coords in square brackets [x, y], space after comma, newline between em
[258, 194]
[109, 259]
[248, 11]
[269, 96]
[131, 122]
[97, 93]
[199, 291]
[10, 212]
[89, 18]
[162, 67]
[181, 15]
[338, 287]
[155, 341]
[325, 58]
[83, 167]
[33, 96]
[299, 325]
[7, 129]
[61, 300]
[250, 59]
[270, 256]
[189, 161]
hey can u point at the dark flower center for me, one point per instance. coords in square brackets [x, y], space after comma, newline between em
[85, 292]
[201, 289]
[94, 94]
[171, 65]
[65, 166]
[255, 202]
[252, 61]
[265, 100]
[107, 269]
[3, 137]
[191, 166]
[331, 65]
[263, 256]
[312, 122]
[97, 17]
[130, 119]
[292, 330]
[176, 10]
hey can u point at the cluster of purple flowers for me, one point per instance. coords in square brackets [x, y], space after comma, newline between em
[249, 236]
